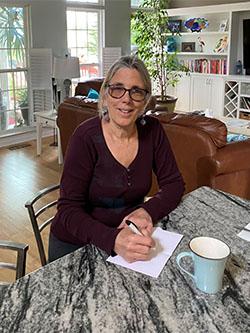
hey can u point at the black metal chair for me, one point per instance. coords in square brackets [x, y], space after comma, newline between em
[20, 264]
[41, 214]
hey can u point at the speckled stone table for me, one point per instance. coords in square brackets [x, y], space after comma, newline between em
[83, 293]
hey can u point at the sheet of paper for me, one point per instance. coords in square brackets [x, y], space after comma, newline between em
[166, 242]
[245, 234]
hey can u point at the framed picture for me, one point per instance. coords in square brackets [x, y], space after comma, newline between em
[188, 47]
[223, 25]
[174, 25]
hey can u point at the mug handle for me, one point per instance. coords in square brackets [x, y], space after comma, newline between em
[178, 259]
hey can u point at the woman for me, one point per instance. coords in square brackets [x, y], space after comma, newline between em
[108, 172]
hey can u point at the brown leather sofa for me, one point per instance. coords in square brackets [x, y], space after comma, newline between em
[77, 109]
[204, 157]
[202, 153]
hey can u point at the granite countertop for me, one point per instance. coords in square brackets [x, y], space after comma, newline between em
[81, 292]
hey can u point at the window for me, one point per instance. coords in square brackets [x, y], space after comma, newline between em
[136, 3]
[85, 39]
[14, 110]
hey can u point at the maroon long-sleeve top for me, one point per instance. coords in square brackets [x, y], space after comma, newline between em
[97, 192]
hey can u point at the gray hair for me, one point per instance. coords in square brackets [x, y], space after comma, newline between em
[132, 62]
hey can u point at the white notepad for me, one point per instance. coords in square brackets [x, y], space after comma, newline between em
[166, 242]
[245, 234]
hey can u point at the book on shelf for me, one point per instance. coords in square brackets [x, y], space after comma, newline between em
[213, 66]
[206, 66]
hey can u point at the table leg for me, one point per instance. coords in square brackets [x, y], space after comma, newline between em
[60, 156]
[38, 136]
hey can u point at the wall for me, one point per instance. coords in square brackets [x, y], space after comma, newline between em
[48, 21]
[117, 24]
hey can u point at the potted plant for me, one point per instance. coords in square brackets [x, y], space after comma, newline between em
[150, 33]
[23, 103]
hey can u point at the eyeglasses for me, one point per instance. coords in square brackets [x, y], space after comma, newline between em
[136, 94]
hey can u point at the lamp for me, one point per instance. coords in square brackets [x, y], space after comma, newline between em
[66, 69]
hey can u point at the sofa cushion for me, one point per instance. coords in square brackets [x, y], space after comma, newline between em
[93, 94]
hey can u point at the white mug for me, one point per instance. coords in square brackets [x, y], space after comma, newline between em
[209, 256]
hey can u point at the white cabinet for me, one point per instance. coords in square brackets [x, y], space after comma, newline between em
[182, 91]
[197, 92]
[183, 103]
[207, 94]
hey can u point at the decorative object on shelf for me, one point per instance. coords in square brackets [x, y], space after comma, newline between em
[196, 24]
[171, 44]
[201, 44]
[221, 45]
[223, 25]
[238, 67]
[188, 47]
[174, 26]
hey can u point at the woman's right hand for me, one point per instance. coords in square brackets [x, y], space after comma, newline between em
[133, 247]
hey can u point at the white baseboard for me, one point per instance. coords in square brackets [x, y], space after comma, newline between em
[29, 135]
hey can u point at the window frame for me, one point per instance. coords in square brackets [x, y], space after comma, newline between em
[85, 5]
[12, 71]
[99, 9]
[135, 7]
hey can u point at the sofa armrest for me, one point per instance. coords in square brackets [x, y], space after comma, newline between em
[69, 117]
[233, 157]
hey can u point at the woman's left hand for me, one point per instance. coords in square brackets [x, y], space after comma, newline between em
[142, 219]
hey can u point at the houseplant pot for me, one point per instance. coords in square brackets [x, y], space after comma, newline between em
[22, 98]
[166, 105]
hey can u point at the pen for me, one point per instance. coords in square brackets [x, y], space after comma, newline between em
[243, 229]
[133, 227]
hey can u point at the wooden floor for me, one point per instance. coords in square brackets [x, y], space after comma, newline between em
[22, 173]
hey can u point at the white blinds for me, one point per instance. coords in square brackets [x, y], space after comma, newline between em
[109, 55]
[41, 80]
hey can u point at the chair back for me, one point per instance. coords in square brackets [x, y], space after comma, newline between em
[41, 214]
[21, 251]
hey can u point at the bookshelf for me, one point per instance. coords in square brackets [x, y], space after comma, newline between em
[212, 83]
[209, 58]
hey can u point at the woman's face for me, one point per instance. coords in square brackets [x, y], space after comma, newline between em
[124, 111]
